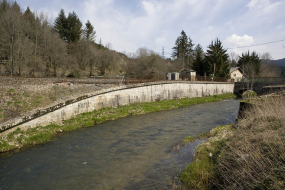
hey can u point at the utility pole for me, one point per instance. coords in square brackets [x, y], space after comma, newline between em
[214, 69]
[183, 59]
[163, 57]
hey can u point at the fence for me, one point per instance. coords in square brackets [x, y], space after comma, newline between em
[116, 80]
[266, 79]
[162, 77]
[214, 79]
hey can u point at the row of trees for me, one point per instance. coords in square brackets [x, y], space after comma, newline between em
[31, 46]
[217, 62]
[214, 61]
[70, 28]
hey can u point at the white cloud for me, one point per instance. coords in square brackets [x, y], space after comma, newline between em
[97, 7]
[148, 7]
[281, 26]
[271, 8]
[252, 3]
[160, 40]
[129, 25]
[265, 6]
[237, 41]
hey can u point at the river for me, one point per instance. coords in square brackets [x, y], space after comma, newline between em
[131, 153]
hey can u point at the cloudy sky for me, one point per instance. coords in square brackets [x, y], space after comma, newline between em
[153, 24]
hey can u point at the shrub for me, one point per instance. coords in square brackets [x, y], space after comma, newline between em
[249, 93]
[75, 73]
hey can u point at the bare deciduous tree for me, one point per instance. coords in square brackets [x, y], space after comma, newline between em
[268, 69]
[10, 23]
[233, 58]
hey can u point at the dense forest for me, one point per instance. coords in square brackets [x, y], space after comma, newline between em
[31, 46]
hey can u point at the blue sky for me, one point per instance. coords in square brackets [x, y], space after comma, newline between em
[131, 24]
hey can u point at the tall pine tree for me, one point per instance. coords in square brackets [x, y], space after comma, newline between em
[60, 25]
[216, 60]
[183, 49]
[198, 61]
[69, 28]
[74, 28]
[89, 32]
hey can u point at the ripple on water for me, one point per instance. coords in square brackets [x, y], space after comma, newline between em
[129, 153]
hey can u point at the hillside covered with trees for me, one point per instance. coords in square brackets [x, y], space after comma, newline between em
[31, 46]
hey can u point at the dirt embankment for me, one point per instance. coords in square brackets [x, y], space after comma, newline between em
[23, 95]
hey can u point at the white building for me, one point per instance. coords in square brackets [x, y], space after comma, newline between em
[236, 74]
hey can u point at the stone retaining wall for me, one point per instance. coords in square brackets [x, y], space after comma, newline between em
[115, 97]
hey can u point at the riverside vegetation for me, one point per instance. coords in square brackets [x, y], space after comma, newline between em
[20, 138]
[247, 155]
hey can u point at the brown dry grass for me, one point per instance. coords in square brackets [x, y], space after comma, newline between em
[254, 158]
[18, 99]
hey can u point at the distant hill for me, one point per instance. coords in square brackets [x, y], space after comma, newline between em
[280, 62]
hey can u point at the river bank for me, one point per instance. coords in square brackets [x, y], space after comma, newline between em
[128, 153]
[20, 96]
[249, 154]
[19, 138]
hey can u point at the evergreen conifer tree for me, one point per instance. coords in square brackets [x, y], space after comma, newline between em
[198, 61]
[60, 25]
[216, 60]
[89, 32]
[74, 28]
[28, 11]
[183, 48]
[249, 63]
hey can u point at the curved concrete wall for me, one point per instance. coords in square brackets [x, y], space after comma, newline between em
[128, 95]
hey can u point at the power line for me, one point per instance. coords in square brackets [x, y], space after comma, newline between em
[257, 44]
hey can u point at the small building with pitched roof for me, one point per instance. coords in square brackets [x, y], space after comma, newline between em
[236, 74]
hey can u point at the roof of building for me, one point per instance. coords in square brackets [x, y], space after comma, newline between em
[232, 69]
[187, 70]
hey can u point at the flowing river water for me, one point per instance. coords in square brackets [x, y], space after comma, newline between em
[130, 153]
